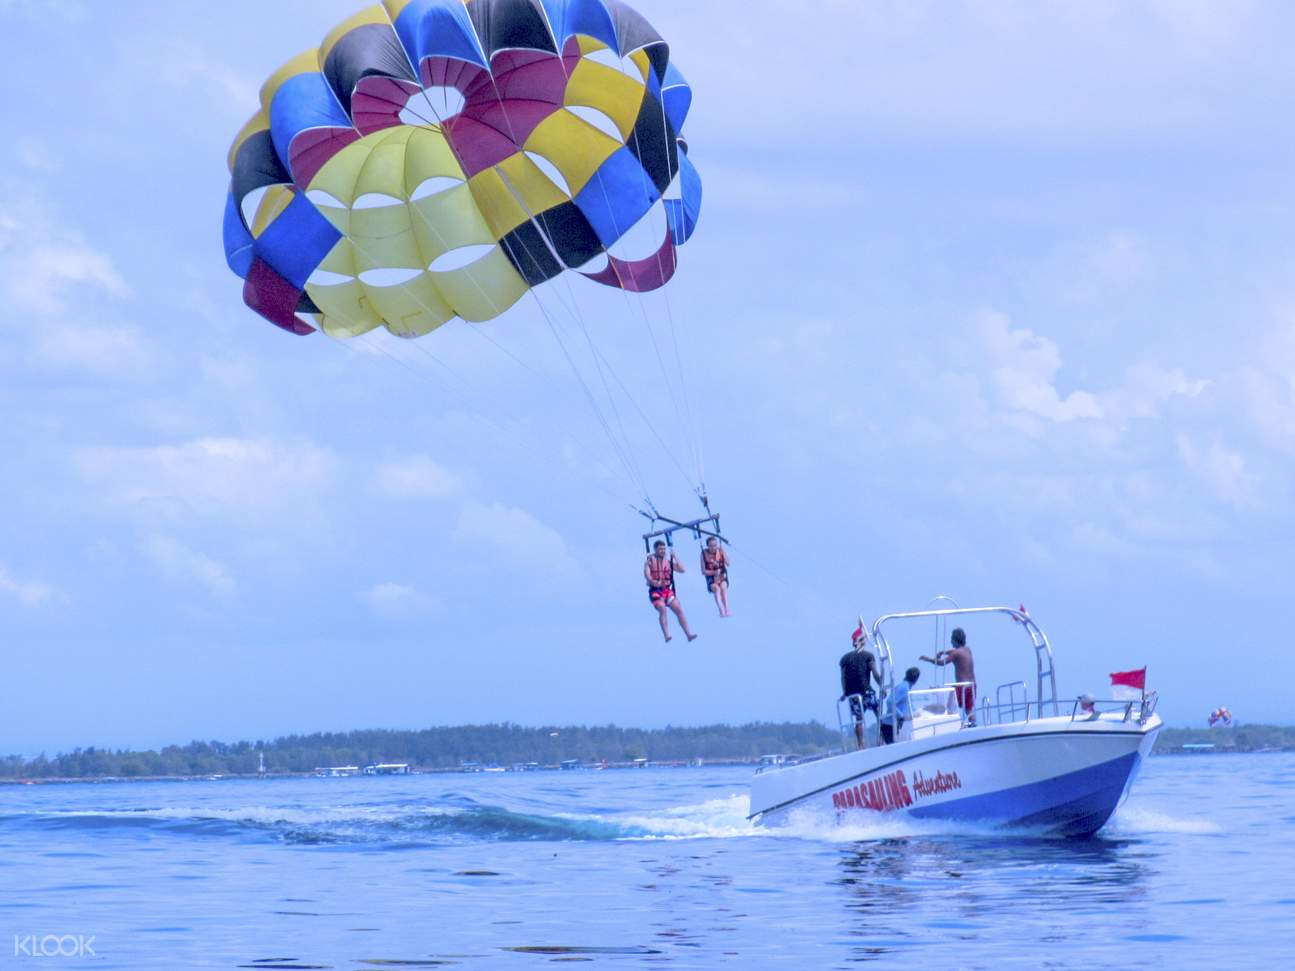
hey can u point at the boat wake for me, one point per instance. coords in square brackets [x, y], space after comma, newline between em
[1145, 821]
[461, 820]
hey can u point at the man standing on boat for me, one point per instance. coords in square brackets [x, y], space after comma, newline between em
[659, 571]
[897, 707]
[858, 669]
[964, 671]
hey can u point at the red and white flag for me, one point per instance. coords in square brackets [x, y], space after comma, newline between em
[1129, 685]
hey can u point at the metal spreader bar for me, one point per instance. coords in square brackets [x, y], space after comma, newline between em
[708, 526]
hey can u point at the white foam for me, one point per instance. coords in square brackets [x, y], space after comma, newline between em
[722, 818]
[1139, 820]
[726, 818]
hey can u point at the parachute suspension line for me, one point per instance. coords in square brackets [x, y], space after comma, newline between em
[598, 360]
[634, 480]
[638, 303]
[687, 418]
[622, 450]
[685, 415]
[751, 559]
[693, 415]
[642, 311]
[631, 470]
[601, 361]
[648, 421]
[602, 364]
[622, 445]
[393, 359]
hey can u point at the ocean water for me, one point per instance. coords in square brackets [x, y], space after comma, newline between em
[631, 868]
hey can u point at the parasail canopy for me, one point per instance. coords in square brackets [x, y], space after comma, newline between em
[434, 159]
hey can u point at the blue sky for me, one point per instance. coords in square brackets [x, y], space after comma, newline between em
[994, 300]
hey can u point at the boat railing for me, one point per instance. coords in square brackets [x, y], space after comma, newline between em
[1013, 703]
[1010, 712]
[943, 701]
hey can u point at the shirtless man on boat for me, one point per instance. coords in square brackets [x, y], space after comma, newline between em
[964, 670]
[659, 571]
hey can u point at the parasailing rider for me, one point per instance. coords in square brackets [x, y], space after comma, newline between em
[659, 571]
[714, 566]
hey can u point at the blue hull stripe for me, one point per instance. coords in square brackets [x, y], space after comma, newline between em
[1074, 804]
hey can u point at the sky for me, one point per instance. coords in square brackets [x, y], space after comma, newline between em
[992, 300]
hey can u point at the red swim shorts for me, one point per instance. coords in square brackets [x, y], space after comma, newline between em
[966, 697]
[663, 595]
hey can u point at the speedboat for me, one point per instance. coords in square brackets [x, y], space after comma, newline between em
[1056, 767]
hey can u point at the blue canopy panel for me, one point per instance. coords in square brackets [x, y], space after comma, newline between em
[306, 103]
[677, 95]
[296, 242]
[618, 196]
[438, 28]
[567, 18]
[683, 212]
[238, 241]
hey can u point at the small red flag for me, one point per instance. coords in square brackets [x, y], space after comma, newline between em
[1130, 679]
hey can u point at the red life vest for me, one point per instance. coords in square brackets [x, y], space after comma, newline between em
[661, 571]
[715, 562]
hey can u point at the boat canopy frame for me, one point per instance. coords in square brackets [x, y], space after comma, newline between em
[1046, 668]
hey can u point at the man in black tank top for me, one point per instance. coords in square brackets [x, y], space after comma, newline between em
[858, 670]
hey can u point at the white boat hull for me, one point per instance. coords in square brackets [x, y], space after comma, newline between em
[1055, 775]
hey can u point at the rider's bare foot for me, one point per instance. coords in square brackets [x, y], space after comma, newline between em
[692, 637]
[668, 638]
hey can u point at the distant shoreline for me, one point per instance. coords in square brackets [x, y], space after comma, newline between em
[506, 747]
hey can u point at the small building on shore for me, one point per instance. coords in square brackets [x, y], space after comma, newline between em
[387, 768]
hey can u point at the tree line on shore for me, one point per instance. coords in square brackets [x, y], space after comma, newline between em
[508, 744]
[433, 748]
[1238, 738]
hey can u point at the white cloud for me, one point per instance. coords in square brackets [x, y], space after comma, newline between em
[1119, 257]
[397, 600]
[1268, 386]
[39, 278]
[178, 562]
[1147, 387]
[1221, 469]
[66, 11]
[106, 351]
[1023, 369]
[514, 536]
[416, 477]
[34, 155]
[30, 593]
[245, 478]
